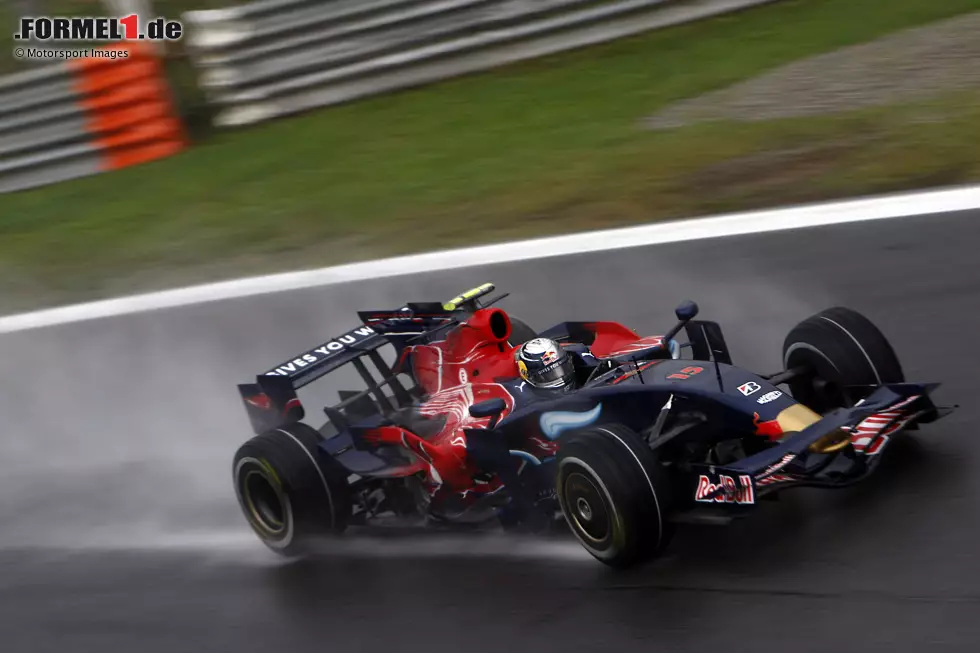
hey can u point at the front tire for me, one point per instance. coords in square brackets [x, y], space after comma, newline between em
[839, 347]
[613, 495]
[290, 492]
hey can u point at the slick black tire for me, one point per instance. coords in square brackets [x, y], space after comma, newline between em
[614, 495]
[520, 332]
[839, 347]
[291, 493]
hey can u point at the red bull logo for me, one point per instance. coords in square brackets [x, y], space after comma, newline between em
[729, 493]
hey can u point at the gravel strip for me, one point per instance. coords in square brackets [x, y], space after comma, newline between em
[907, 66]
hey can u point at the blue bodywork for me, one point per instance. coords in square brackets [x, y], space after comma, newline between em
[684, 409]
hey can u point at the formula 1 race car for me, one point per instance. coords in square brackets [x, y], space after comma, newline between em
[652, 433]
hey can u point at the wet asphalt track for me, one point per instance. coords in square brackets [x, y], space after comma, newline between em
[119, 531]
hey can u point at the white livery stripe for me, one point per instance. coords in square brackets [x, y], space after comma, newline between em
[877, 427]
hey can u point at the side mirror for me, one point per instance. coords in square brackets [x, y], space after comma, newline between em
[490, 408]
[686, 311]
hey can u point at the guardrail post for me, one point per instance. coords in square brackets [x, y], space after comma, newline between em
[128, 106]
[85, 116]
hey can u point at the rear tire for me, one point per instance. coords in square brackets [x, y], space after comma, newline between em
[520, 332]
[840, 347]
[613, 495]
[290, 492]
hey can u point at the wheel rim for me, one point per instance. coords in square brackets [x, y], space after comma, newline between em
[587, 508]
[584, 509]
[263, 501]
[265, 506]
[821, 388]
[829, 393]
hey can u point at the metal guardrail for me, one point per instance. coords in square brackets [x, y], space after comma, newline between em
[272, 58]
[83, 117]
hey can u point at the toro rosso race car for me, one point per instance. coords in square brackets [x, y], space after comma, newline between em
[620, 436]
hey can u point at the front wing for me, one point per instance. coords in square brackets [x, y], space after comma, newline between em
[858, 435]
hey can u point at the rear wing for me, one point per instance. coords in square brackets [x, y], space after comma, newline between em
[319, 361]
[272, 402]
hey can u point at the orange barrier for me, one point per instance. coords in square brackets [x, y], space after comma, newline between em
[128, 106]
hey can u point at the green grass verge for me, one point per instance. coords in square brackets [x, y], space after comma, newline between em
[550, 145]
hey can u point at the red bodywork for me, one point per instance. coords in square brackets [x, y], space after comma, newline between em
[455, 373]
[461, 370]
[613, 339]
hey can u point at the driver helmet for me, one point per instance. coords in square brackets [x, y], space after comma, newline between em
[544, 364]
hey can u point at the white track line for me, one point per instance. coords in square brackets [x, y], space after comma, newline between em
[753, 222]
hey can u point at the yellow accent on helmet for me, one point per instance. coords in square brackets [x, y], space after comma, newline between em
[523, 369]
